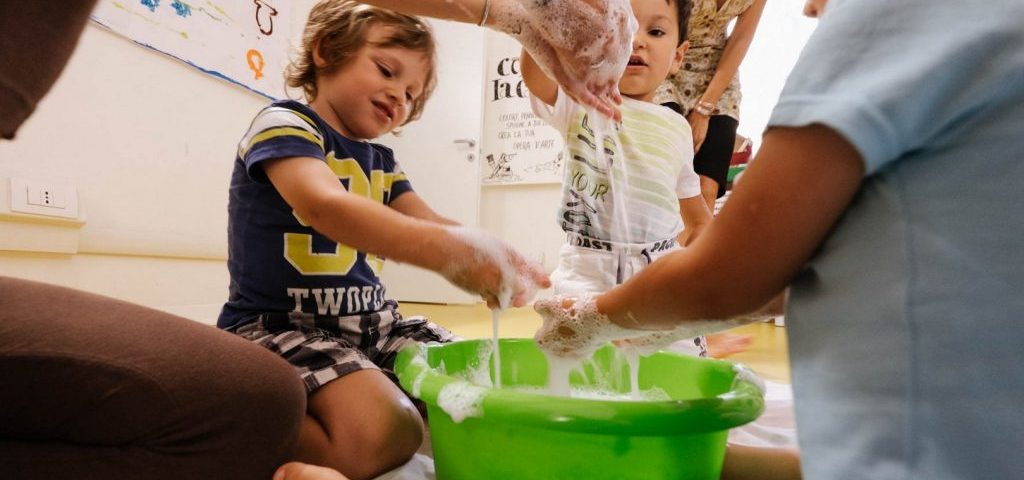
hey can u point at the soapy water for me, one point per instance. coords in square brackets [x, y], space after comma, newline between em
[495, 346]
[461, 400]
[654, 394]
[464, 398]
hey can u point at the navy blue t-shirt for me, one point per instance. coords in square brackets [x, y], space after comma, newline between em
[276, 261]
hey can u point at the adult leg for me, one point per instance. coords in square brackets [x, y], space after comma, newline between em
[38, 40]
[361, 424]
[97, 388]
[711, 162]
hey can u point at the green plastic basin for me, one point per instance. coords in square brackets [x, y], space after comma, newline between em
[526, 435]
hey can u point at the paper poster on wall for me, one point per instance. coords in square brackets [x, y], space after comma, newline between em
[517, 147]
[242, 41]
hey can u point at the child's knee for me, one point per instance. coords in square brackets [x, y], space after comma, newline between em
[397, 437]
[382, 445]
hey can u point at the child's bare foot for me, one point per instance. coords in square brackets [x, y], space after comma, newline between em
[302, 471]
[722, 345]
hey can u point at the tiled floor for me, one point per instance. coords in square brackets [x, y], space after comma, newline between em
[767, 354]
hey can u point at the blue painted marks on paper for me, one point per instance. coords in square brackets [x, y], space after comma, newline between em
[181, 8]
[150, 4]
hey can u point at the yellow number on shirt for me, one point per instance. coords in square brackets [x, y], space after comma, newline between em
[298, 247]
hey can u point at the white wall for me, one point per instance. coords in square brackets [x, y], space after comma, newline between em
[780, 37]
[149, 143]
[525, 216]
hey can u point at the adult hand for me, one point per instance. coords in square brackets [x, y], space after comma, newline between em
[699, 127]
[484, 265]
[583, 44]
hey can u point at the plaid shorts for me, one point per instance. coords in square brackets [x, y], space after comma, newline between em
[325, 348]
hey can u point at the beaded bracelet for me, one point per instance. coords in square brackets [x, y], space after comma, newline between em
[704, 108]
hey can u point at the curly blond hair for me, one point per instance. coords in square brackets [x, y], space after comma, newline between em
[338, 29]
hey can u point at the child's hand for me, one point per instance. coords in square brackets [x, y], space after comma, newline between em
[574, 328]
[491, 268]
[583, 44]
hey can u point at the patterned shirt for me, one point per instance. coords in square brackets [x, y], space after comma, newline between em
[707, 36]
[277, 262]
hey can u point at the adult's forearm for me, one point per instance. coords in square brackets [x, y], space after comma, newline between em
[465, 11]
[736, 48]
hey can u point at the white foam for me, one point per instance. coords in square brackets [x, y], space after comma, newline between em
[599, 34]
[461, 400]
[577, 331]
[653, 394]
[491, 249]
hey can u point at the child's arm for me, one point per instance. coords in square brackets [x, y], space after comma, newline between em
[313, 191]
[310, 187]
[413, 205]
[696, 217]
[542, 87]
[773, 222]
[763, 463]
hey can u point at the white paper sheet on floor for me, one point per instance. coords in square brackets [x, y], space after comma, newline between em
[776, 426]
[420, 467]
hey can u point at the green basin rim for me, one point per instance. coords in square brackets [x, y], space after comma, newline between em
[741, 404]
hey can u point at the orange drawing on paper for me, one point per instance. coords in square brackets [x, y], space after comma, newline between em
[255, 60]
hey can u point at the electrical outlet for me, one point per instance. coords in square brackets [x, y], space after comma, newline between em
[39, 198]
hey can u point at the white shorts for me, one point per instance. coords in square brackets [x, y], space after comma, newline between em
[593, 266]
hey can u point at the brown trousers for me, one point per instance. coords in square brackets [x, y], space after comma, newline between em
[36, 40]
[97, 388]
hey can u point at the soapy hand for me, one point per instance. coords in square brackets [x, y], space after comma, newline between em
[493, 269]
[583, 44]
[574, 328]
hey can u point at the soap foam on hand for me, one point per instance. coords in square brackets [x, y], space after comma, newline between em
[579, 330]
[583, 44]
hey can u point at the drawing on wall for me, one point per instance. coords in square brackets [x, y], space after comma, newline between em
[242, 41]
[519, 148]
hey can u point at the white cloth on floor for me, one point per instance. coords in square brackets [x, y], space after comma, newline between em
[420, 467]
[776, 426]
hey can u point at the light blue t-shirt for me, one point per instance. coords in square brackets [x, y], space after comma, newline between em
[906, 329]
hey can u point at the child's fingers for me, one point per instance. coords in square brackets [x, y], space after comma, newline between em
[547, 306]
[537, 276]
